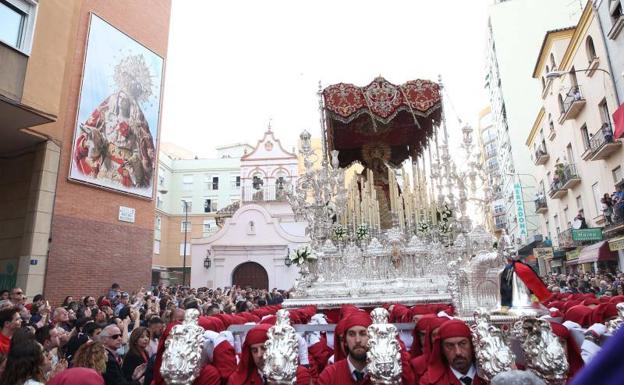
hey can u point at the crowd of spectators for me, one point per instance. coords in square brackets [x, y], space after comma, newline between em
[118, 338]
[613, 206]
[115, 334]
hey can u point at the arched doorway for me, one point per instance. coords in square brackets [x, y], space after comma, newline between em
[250, 274]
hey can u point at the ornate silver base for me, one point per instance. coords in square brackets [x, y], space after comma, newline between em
[372, 293]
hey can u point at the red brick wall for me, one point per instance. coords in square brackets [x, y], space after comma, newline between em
[89, 247]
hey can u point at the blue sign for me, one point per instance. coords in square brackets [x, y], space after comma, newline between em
[520, 214]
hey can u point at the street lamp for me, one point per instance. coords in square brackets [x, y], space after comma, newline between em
[207, 261]
[287, 260]
[185, 238]
[558, 74]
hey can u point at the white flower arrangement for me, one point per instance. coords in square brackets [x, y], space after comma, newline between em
[362, 232]
[302, 255]
[339, 232]
[422, 228]
[446, 213]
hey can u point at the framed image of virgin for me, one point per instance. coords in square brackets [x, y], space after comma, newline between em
[114, 144]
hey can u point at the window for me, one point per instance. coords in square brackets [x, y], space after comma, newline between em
[158, 223]
[188, 249]
[210, 205]
[579, 203]
[557, 226]
[159, 202]
[604, 112]
[17, 23]
[591, 50]
[215, 183]
[573, 79]
[566, 217]
[161, 177]
[615, 9]
[597, 196]
[156, 246]
[617, 174]
[585, 136]
[238, 181]
[257, 182]
[187, 182]
[185, 225]
[569, 153]
[209, 226]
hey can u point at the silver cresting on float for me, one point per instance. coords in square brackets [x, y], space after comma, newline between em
[281, 355]
[491, 350]
[181, 360]
[615, 324]
[383, 356]
[543, 351]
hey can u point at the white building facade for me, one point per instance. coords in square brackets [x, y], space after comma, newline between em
[515, 31]
[251, 248]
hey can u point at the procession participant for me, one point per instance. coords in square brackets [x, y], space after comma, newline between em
[452, 359]
[352, 369]
[318, 350]
[432, 326]
[572, 350]
[249, 370]
[580, 314]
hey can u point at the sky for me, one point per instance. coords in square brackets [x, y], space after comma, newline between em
[233, 66]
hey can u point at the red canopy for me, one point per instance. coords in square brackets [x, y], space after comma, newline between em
[618, 119]
[400, 117]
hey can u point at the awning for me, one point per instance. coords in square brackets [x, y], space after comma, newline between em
[15, 117]
[618, 119]
[597, 252]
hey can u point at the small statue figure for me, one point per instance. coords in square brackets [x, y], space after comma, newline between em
[543, 351]
[281, 356]
[384, 356]
[615, 324]
[518, 280]
[492, 353]
[183, 351]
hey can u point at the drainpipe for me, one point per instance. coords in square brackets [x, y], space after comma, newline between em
[604, 41]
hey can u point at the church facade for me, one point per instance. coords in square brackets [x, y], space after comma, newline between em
[251, 247]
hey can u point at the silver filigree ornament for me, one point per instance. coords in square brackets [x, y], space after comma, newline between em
[615, 324]
[492, 353]
[281, 355]
[181, 360]
[543, 351]
[383, 356]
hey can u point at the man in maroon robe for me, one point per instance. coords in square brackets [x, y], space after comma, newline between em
[249, 370]
[452, 360]
[352, 369]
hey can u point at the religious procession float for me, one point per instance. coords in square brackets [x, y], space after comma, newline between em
[398, 232]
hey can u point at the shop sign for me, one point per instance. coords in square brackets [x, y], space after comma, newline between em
[616, 244]
[556, 263]
[573, 254]
[520, 210]
[593, 234]
[543, 252]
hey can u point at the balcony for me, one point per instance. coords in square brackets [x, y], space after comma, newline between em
[602, 144]
[541, 156]
[268, 193]
[541, 206]
[500, 225]
[572, 104]
[552, 134]
[565, 178]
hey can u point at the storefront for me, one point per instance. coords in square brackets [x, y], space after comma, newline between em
[595, 257]
[616, 245]
[572, 259]
[544, 256]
